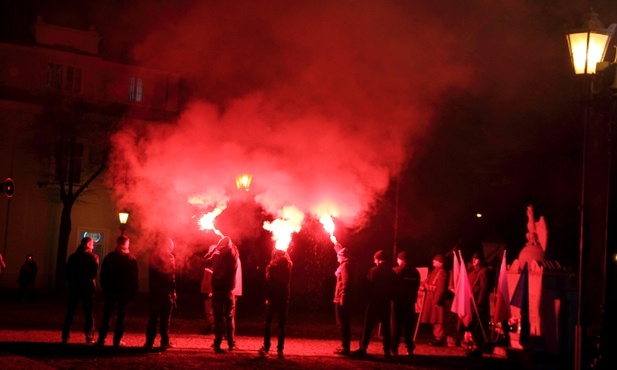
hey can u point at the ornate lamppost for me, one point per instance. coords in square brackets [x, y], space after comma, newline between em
[587, 48]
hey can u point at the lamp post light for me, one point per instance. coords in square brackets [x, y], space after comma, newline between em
[123, 216]
[243, 181]
[587, 48]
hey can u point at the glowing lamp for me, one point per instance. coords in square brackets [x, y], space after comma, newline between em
[243, 181]
[123, 217]
[588, 45]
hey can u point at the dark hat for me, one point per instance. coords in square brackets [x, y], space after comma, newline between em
[343, 252]
[379, 255]
[402, 256]
[439, 257]
[478, 256]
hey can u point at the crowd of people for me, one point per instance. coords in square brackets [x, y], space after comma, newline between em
[398, 300]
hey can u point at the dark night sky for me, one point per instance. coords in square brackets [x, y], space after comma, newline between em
[500, 125]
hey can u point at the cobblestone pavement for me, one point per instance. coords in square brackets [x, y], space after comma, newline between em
[30, 338]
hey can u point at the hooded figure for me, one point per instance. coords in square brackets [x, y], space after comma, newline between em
[225, 263]
[278, 277]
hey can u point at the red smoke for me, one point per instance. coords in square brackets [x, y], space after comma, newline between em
[317, 102]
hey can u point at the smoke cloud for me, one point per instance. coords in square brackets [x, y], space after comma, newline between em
[318, 102]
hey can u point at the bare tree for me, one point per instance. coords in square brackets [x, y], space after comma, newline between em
[78, 139]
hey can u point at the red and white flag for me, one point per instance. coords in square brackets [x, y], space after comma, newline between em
[502, 303]
[462, 294]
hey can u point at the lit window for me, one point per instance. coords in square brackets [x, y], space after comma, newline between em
[136, 89]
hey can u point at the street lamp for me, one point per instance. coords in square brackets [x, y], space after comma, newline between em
[587, 48]
[588, 45]
[123, 216]
[243, 181]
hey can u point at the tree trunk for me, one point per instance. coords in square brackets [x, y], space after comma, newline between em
[63, 241]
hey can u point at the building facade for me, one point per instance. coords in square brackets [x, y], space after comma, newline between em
[59, 102]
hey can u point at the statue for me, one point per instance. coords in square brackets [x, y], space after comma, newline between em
[537, 238]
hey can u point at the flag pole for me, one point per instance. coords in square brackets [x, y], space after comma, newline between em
[415, 333]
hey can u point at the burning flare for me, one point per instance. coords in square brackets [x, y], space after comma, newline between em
[289, 222]
[328, 224]
[206, 222]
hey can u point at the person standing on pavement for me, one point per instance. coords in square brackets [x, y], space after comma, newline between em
[80, 273]
[403, 305]
[381, 281]
[27, 278]
[480, 289]
[224, 268]
[162, 284]
[435, 287]
[119, 281]
[343, 296]
[278, 277]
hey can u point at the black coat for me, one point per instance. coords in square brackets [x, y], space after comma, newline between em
[278, 277]
[162, 272]
[81, 269]
[381, 284]
[119, 275]
[407, 284]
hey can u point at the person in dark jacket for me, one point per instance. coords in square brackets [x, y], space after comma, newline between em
[119, 281]
[403, 306]
[480, 289]
[162, 284]
[435, 287]
[278, 277]
[80, 273]
[343, 298]
[381, 281]
[224, 268]
[27, 279]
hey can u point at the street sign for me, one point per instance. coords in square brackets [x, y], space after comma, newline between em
[8, 187]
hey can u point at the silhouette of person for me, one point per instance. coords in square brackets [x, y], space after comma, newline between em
[119, 280]
[27, 278]
[80, 273]
[403, 305]
[343, 299]
[162, 280]
[479, 283]
[278, 277]
[381, 281]
[225, 263]
[435, 286]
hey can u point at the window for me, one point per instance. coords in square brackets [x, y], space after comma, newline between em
[136, 89]
[54, 76]
[73, 79]
[66, 78]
